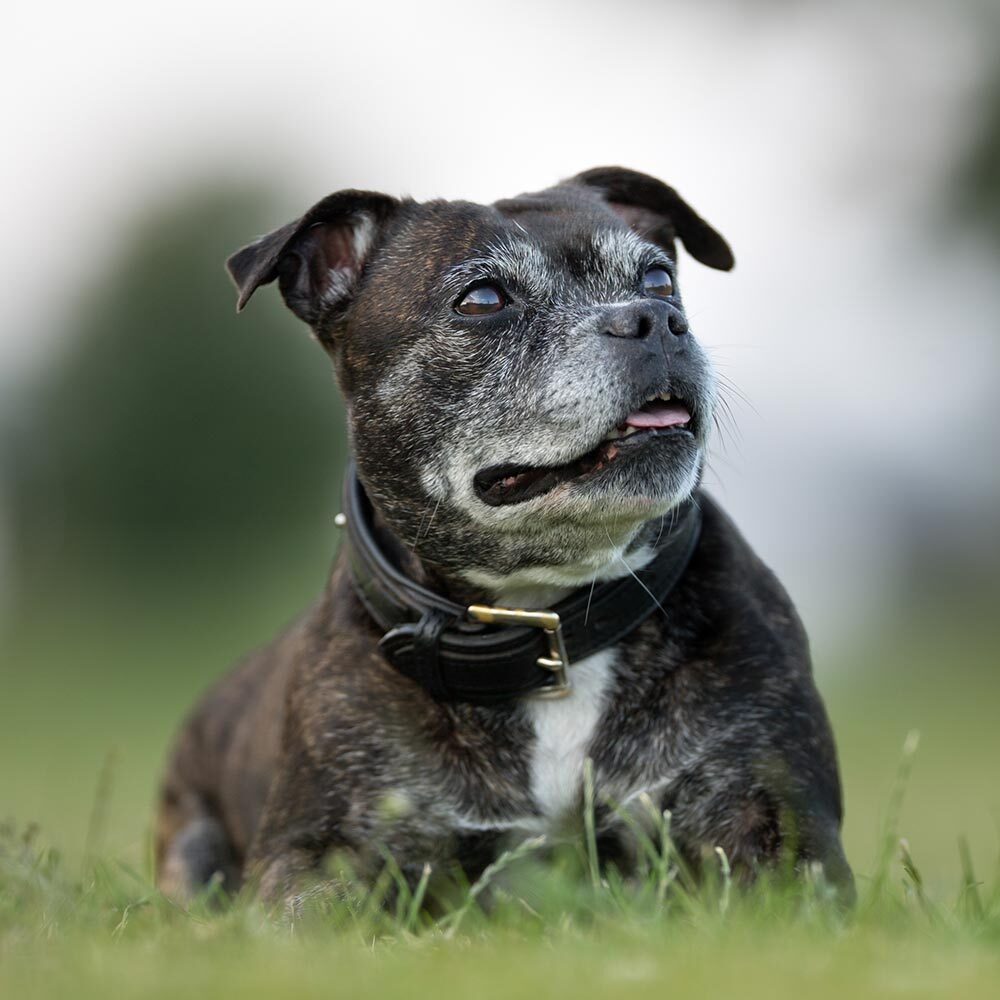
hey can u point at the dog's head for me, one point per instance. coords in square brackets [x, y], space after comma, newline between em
[523, 391]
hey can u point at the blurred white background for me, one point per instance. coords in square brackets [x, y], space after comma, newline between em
[822, 140]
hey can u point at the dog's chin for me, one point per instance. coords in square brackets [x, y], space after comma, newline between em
[588, 528]
[637, 478]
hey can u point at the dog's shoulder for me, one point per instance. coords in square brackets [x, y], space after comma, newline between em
[734, 586]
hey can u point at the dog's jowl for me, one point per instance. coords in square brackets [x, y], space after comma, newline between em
[530, 578]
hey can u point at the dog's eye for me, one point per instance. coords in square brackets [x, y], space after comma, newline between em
[481, 300]
[656, 281]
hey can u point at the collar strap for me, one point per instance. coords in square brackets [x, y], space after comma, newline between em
[485, 655]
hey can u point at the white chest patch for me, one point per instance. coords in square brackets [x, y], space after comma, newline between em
[564, 729]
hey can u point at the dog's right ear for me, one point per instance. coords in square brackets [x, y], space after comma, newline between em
[317, 259]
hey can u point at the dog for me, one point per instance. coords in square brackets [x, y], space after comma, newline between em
[532, 586]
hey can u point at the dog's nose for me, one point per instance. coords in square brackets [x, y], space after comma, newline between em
[634, 321]
[638, 320]
[678, 323]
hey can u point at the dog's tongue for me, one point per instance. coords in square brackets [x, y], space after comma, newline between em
[659, 414]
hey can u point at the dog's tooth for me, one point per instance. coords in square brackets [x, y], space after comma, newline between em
[613, 435]
[628, 431]
[665, 396]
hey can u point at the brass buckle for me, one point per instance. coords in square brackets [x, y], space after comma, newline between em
[548, 621]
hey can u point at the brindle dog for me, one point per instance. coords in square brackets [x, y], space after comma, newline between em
[527, 409]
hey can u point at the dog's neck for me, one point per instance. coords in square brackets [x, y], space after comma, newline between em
[539, 587]
[531, 587]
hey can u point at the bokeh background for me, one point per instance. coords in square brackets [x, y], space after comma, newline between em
[169, 474]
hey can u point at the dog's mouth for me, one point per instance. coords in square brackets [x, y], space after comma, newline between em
[662, 415]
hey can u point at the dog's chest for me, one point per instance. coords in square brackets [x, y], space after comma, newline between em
[564, 731]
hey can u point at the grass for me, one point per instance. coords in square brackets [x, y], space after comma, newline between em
[525, 928]
[95, 680]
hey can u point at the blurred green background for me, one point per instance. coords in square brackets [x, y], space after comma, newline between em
[169, 477]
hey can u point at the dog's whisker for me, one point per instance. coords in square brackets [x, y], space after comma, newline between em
[590, 597]
[635, 577]
[420, 526]
[430, 522]
[659, 532]
[652, 596]
[726, 425]
[727, 385]
[727, 430]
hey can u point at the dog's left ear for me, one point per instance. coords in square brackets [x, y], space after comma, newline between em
[658, 213]
[317, 259]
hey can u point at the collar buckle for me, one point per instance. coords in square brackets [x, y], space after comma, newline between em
[556, 661]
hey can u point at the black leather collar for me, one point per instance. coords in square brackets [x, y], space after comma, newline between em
[457, 658]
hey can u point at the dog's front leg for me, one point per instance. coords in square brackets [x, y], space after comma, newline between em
[765, 807]
[301, 826]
